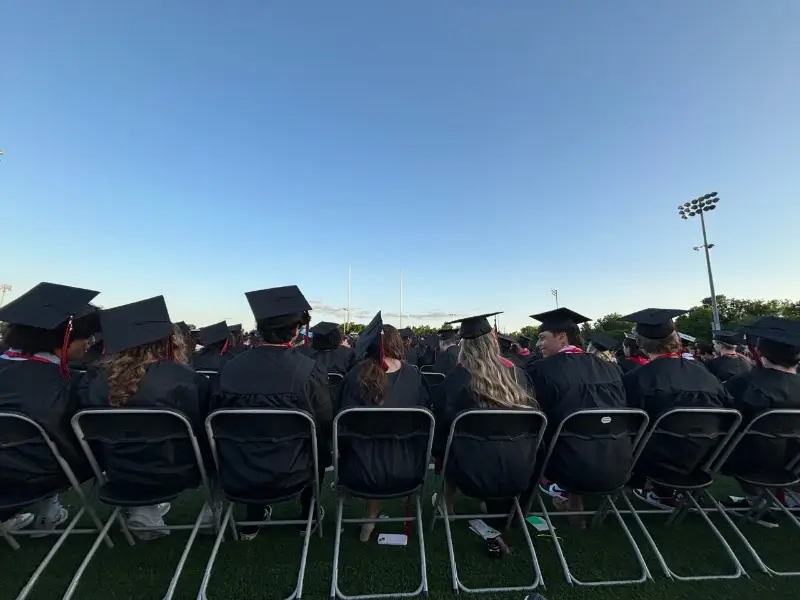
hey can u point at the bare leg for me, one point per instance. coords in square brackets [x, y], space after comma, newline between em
[373, 508]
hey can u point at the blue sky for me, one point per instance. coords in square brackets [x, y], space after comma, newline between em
[492, 150]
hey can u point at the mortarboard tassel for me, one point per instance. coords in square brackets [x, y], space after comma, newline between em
[382, 353]
[755, 356]
[170, 352]
[64, 363]
[225, 346]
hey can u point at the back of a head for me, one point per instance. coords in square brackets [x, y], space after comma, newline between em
[780, 354]
[327, 341]
[492, 382]
[281, 330]
[372, 378]
[671, 344]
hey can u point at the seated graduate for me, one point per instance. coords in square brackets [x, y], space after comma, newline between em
[217, 348]
[427, 351]
[524, 347]
[772, 385]
[448, 351]
[327, 351]
[566, 381]
[381, 378]
[728, 363]
[632, 355]
[186, 334]
[602, 345]
[482, 379]
[237, 339]
[409, 350]
[145, 366]
[47, 327]
[509, 349]
[666, 382]
[274, 375]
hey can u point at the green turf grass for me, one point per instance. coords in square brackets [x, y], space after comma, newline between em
[267, 567]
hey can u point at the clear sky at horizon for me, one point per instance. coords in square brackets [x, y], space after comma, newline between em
[491, 150]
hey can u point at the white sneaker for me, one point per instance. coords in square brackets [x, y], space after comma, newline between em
[50, 513]
[151, 517]
[17, 522]
[554, 491]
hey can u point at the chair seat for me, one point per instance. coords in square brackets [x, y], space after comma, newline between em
[775, 479]
[681, 481]
[374, 495]
[123, 494]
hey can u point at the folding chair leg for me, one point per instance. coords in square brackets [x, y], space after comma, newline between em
[201, 595]
[337, 540]
[8, 537]
[423, 562]
[73, 585]
[773, 501]
[46, 560]
[173, 584]
[693, 504]
[312, 511]
[458, 586]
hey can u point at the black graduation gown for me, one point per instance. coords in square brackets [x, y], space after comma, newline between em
[339, 360]
[667, 383]
[753, 393]
[273, 377]
[494, 470]
[426, 354]
[726, 366]
[411, 356]
[211, 358]
[40, 392]
[627, 365]
[447, 360]
[166, 384]
[386, 463]
[564, 384]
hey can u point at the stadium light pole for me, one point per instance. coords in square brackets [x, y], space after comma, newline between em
[4, 289]
[698, 206]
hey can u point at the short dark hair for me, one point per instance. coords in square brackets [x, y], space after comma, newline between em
[30, 340]
[779, 354]
[280, 330]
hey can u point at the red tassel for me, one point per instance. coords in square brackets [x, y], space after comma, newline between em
[384, 365]
[225, 346]
[305, 335]
[170, 353]
[64, 362]
[755, 356]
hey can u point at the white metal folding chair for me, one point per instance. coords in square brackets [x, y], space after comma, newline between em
[427, 369]
[15, 431]
[690, 485]
[96, 426]
[380, 424]
[335, 379]
[253, 417]
[433, 379]
[534, 428]
[599, 424]
[777, 425]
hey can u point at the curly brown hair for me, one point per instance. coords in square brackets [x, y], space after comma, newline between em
[126, 369]
[372, 379]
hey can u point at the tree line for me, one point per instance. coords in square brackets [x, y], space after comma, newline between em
[697, 322]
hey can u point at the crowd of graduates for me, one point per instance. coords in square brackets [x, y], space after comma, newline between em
[61, 354]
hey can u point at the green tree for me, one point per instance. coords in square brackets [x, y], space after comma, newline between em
[353, 327]
[424, 330]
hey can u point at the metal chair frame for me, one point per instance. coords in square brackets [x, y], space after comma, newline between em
[607, 503]
[767, 500]
[228, 519]
[335, 379]
[689, 499]
[458, 586]
[426, 369]
[71, 527]
[207, 373]
[116, 514]
[422, 589]
[427, 376]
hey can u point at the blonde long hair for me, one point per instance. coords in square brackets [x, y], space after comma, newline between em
[126, 369]
[491, 381]
[606, 355]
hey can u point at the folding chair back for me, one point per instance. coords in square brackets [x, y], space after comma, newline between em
[427, 369]
[767, 449]
[144, 455]
[432, 379]
[686, 441]
[382, 452]
[24, 477]
[592, 451]
[212, 376]
[491, 453]
[335, 379]
[263, 455]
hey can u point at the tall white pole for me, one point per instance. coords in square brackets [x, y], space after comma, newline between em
[401, 298]
[349, 283]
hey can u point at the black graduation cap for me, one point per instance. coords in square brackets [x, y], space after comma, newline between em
[136, 324]
[474, 327]
[729, 337]
[370, 336]
[47, 306]
[559, 320]
[273, 303]
[324, 328]
[447, 334]
[602, 341]
[235, 328]
[406, 332]
[218, 332]
[654, 323]
[775, 329]
[506, 338]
